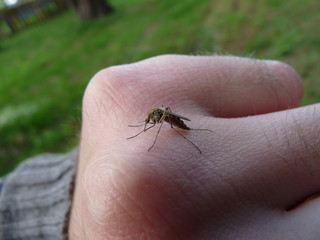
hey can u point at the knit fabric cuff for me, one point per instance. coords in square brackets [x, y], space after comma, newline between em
[35, 198]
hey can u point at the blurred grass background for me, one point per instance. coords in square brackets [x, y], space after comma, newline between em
[45, 69]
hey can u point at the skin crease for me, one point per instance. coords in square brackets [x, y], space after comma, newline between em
[252, 180]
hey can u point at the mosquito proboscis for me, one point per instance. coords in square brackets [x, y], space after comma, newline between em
[159, 115]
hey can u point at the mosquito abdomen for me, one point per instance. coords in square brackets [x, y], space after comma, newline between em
[177, 122]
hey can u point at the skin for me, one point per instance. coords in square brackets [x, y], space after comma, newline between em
[259, 172]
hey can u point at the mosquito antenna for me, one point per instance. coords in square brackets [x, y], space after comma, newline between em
[189, 140]
[142, 131]
[154, 142]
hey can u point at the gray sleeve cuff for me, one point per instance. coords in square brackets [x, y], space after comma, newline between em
[35, 198]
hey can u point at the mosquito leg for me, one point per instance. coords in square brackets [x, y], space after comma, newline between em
[145, 129]
[136, 135]
[201, 129]
[170, 123]
[188, 141]
[169, 110]
[138, 125]
[154, 142]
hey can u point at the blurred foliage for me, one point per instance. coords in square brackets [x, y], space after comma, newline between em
[44, 70]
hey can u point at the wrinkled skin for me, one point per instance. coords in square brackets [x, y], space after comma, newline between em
[259, 172]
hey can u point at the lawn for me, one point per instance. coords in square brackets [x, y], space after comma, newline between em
[45, 69]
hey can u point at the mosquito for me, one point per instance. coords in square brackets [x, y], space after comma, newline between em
[159, 115]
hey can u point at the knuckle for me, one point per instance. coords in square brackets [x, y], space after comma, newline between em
[289, 81]
[106, 91]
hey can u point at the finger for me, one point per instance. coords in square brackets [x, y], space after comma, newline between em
[225, 86]
[308, 212]
[283, 154]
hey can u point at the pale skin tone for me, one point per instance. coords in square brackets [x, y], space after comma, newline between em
[259, 172]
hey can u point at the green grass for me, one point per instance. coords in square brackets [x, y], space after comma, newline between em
[44, 69]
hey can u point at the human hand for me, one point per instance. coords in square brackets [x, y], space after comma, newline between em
[255, 170]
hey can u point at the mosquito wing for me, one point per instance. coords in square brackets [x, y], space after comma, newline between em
[174, 115]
